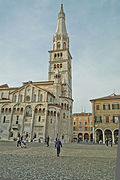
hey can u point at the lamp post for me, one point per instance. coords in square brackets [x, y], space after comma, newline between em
[117, 177]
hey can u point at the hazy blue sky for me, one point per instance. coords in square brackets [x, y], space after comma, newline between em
[26, 32]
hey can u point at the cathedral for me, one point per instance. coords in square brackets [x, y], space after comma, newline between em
[41, 109]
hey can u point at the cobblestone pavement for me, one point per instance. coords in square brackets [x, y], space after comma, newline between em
[38, 162]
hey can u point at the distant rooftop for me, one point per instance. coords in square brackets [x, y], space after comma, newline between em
[112, 96]
[4, 86]
[82, 114]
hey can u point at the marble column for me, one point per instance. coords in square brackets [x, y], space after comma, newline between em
[103, 137]
[113, 138]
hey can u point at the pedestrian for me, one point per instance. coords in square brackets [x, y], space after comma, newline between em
[47, 141]
[106, 142]
[58, 144]
[18, 141]
[63, 138]
[111, 142]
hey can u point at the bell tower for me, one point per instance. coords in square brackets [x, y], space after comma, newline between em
[60, 57]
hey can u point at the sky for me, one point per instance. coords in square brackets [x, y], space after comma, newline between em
[26, 33]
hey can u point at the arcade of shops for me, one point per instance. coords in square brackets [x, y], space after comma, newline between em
[86, 137]
[102, 135]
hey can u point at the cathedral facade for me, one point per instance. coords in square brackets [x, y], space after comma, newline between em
[41, 109]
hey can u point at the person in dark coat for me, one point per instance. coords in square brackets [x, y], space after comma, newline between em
[47, 141]
[106, 142]
[110, 142]
[58, 144]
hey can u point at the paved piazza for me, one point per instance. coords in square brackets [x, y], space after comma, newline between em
[77, 162]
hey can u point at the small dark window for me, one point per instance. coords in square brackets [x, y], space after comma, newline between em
[86, 129]
[54, 66]
[107, 119]
[17, 117]
[16, 122]
[39, 119]
[57, 65]
[11, 134]
[115, 106]
[54, 113]
[97, 107]
[36, 110]
[60, 65]
[51, 113]
[21, 109]
[4, 119]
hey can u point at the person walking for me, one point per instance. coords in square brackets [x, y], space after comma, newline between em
[58, 144]
[106, 142]
[111, 142]
[47, 141]
[18, 141]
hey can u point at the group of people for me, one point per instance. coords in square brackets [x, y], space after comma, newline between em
[58, 144]
[20, 142]
[108, 141]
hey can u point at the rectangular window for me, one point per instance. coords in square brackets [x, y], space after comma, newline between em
[115, 119]
[115, 106]
[106, 106]
[91, 128]
[34, 97]
[39, 96]
[4, 119]
[91, 118]
[86, 118]
[2, 95]
[74, 118]
[98, 119]
[80, 128]
[17, 117]
[21, 98]
[107, 119]
[80, 123]
[39, 118]
[74, 123]
[86, 123]
[17, 122]
[80, 118]
[97, 107]
[86, 129]
[91, 123]
[74, 128]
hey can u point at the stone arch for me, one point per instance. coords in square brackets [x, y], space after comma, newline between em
[116, 135]
[58, 45]
[80, 137]
[86, 137]
[64, 45]
[108, 133]
[99, 135]
[91, 137]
